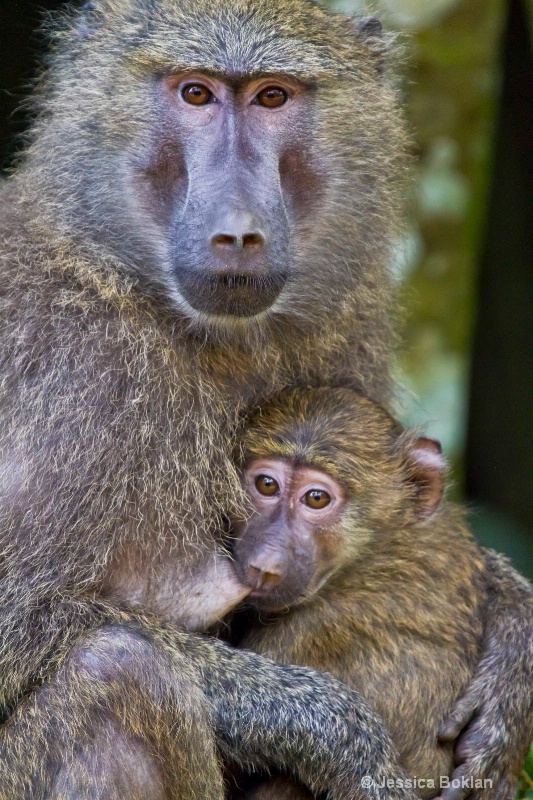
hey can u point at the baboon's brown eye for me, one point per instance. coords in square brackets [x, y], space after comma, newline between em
[317, 499]
[272, 97]
[266, 485]
[197, 95]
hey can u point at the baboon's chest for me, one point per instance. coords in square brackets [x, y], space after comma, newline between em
[193, 595]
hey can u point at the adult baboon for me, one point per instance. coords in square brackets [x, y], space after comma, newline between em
[203, 217]
[358, 568]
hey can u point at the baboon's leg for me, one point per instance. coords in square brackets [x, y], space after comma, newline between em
[149, 686]
[110, 764]
[120, 720]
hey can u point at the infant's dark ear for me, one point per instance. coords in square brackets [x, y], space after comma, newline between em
[427, 472]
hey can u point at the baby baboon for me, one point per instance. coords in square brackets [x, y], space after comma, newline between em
[359, 568]
[204, 217]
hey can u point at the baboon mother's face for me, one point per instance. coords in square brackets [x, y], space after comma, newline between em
[232, 178]
[237, 154]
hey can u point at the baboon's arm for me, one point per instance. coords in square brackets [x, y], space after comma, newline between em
[274, 714]
[131, 679]
[494, 720]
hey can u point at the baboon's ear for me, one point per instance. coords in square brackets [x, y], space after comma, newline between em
[90, 17]
[427, 471]
[369, 30]
[101, 7]
[93, 14]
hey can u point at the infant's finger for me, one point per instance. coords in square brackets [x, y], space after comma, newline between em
[458, 719]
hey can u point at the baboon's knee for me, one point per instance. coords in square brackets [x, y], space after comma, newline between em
[118, 669]
[106, 654]
[110, 766]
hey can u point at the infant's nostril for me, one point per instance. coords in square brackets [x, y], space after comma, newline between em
[271, 580]
[255, 577]
[262, 580]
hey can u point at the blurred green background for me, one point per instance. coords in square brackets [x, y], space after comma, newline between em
[466, 263]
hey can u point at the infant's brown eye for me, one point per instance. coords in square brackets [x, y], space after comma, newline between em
[272, 97]
[266, 485]
[317, 499]
[197, 95]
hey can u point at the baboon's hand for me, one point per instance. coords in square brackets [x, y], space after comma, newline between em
[493, 722]
[486, 762]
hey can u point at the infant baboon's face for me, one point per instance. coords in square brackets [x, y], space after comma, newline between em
[294, 539]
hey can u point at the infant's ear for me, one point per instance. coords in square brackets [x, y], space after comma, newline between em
[427, 472]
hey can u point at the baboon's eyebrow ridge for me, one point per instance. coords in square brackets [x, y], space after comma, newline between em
[238, 72]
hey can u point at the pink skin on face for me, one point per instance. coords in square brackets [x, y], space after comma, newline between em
[290, 546]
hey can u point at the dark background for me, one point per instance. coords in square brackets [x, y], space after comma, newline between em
[499, 451]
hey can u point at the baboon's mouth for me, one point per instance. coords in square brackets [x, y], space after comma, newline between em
[232, 281]
[232, 295]
[274, 604]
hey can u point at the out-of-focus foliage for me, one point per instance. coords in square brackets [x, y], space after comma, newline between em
[526, 782]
